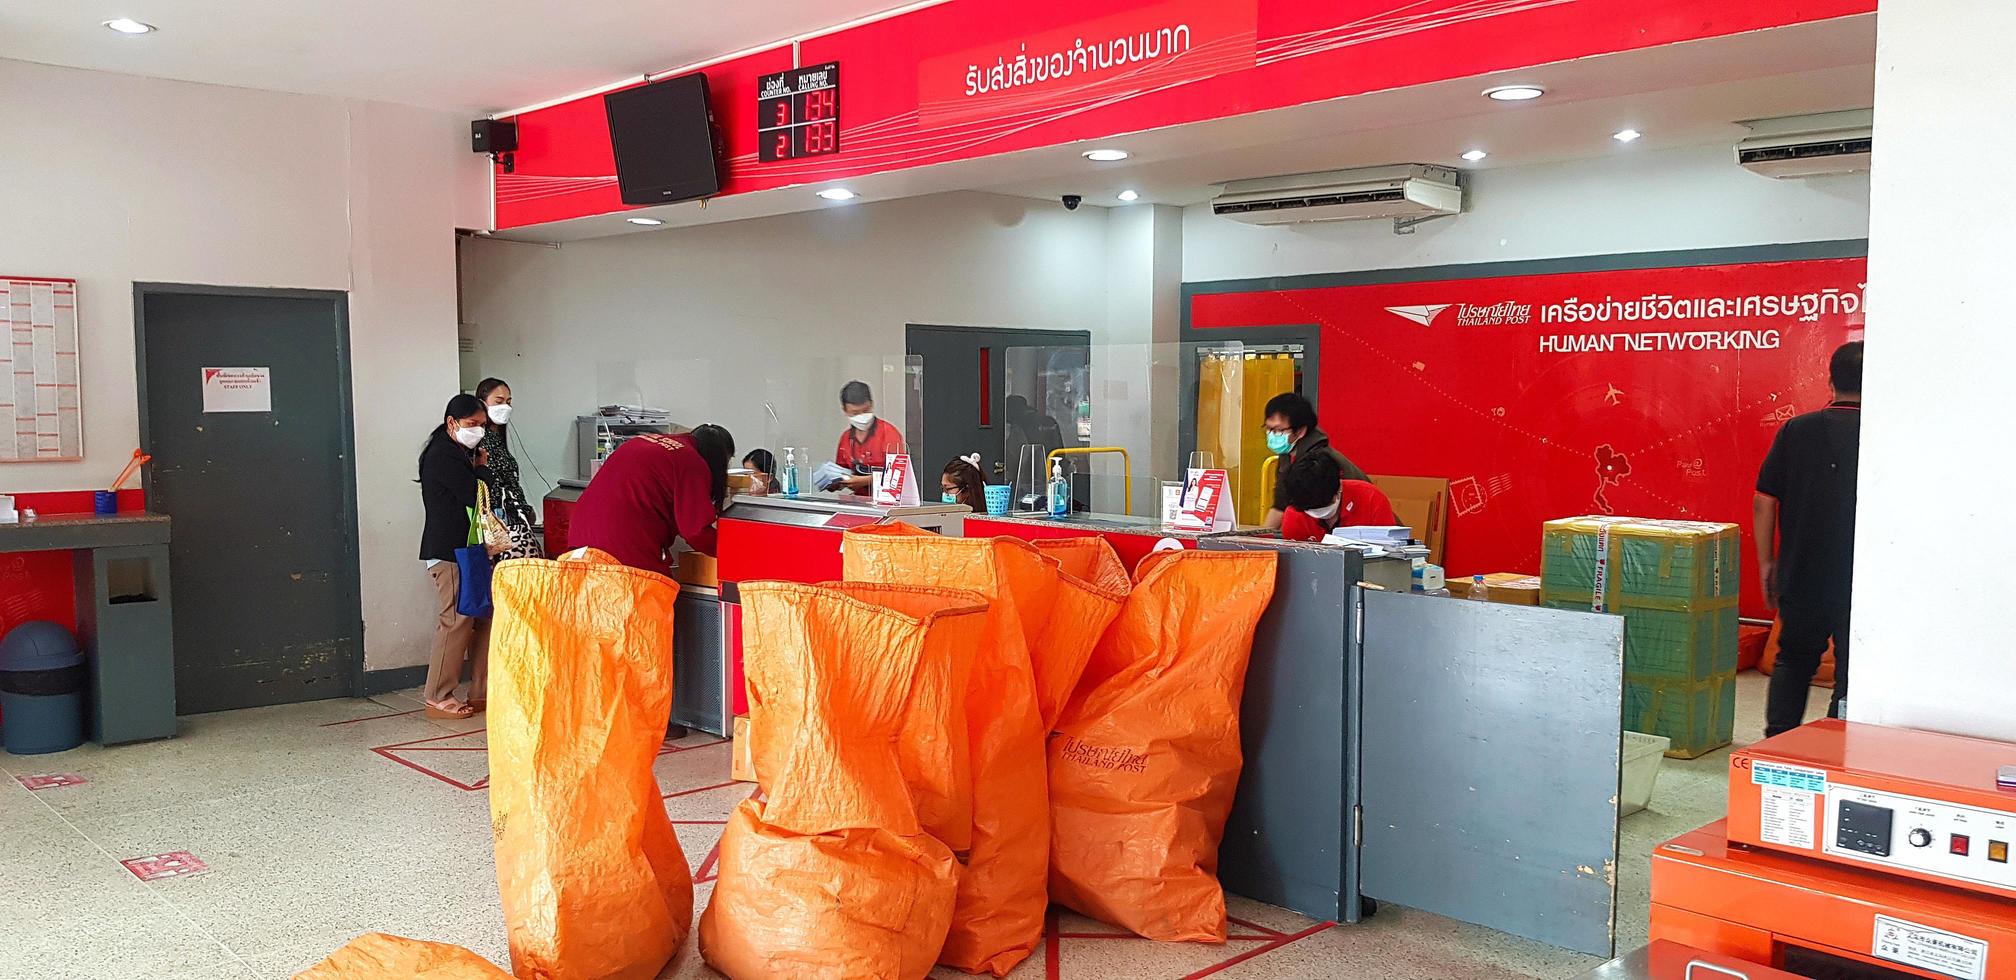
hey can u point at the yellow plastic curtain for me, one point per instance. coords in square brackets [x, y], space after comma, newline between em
[1232, 393]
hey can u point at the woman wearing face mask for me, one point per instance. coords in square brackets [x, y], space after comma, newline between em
[868, 442]
[511, 499]
[450, 466]
[961, 483]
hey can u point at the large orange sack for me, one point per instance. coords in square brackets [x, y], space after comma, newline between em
[829, 872]
[380, 956]
[1041, 628]
[592, 879]
[1145, 760]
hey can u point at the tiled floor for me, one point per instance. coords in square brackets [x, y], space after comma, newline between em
[321, 821]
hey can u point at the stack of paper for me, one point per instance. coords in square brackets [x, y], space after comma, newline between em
[1384, 536]
[635, 414]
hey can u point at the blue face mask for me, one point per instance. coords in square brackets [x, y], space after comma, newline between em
[948, 496]
[1278, 442]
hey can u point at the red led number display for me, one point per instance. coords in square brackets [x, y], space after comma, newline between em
[798, 113]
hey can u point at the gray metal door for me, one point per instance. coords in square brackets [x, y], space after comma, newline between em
[965, 381]
[263, 544]
[1491, 744]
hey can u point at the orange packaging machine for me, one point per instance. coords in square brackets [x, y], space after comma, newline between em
[1853, 851]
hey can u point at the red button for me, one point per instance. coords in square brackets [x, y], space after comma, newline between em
[1959, 844]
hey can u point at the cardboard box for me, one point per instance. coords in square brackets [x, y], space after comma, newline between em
[694, 568]
[742, 760]
[1421, 503]
[1510, 588]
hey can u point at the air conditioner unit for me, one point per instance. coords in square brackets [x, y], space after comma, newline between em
[1807, 146]
[1404, 191]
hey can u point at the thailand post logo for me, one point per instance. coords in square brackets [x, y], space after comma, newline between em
[1423, 315]
[1468, 314]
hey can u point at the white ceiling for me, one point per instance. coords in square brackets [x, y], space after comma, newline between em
[1677, 95]
[472, 56]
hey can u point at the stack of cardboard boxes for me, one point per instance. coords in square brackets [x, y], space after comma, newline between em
[1676, 585]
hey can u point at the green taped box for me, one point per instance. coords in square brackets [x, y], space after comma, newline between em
[1676, 584]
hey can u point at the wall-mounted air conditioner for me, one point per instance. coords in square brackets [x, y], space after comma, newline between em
[1403, 191]
[1807, 146]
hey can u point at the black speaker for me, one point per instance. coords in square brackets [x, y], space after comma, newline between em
[492, 136]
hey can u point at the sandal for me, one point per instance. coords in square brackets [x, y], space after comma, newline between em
[476, 705]
[450, 709]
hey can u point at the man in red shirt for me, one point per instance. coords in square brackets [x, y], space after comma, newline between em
[868, 442]
[1320, 500]
[653, 490]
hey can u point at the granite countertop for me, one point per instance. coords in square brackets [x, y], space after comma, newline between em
[64, 532]
[1115, 524]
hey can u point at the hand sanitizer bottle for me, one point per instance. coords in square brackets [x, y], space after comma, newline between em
[790, 472]
[1060, 490]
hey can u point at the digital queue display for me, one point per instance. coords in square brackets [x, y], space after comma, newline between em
[798, 113]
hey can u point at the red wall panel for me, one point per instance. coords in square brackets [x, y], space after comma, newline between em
[1650, 393]
[38, 584]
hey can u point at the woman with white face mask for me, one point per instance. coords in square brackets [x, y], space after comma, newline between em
[510, 494]
[450, 465]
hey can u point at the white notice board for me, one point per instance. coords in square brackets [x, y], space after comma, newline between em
[41, 407]
[237, 389]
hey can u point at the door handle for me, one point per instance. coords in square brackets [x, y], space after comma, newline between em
[997, 469]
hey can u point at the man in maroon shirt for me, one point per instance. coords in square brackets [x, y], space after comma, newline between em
[653, 490]
[868, 442]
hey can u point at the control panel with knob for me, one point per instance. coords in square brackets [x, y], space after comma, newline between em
[1920, 837]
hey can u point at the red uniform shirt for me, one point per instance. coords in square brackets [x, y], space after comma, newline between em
[872, 451]
[651, 491]
[1360, 504]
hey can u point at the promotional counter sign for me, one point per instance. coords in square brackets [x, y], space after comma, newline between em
[798, 113]
[237, 389]
[1205, 507]
[896, 486]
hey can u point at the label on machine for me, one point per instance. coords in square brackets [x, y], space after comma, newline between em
[1790, 777]
[1787, 817]
[1930, 949]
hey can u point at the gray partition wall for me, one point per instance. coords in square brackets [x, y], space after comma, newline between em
[1491, 742]
[1288, 841]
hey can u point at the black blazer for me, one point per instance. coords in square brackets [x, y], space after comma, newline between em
[448, 475]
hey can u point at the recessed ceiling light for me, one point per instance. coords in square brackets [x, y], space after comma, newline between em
[1129, 195]
[1106, 155]
[1625, 135]
[127, 25]
[837, 194]
[1475, 155]
[1515, 93]
[646, 222]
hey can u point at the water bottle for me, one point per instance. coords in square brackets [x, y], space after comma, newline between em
[1060, 490]
[1478, 590]
[790, 472]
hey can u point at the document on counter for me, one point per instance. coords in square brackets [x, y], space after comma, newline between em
[829, 474]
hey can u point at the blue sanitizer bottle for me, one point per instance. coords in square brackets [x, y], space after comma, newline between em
[1060, 490]
[790, 472]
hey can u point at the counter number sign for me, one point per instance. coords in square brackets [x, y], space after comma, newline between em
[798, 113]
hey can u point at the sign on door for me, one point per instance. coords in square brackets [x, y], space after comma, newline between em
[237, 389]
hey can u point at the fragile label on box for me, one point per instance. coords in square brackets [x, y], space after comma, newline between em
[1942, 952]
[1786, 817]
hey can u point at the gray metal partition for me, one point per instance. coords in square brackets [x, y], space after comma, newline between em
[1490, 741]
[1288, 841]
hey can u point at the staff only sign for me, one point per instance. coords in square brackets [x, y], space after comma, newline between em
[1645, 392]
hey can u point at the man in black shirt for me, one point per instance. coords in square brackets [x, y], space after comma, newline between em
[1805, 530]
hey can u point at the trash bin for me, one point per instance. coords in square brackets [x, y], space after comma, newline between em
[42, 681]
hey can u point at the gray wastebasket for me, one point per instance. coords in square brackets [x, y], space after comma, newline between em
[42, 684]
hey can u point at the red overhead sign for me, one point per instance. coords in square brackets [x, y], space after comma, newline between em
[972, 78]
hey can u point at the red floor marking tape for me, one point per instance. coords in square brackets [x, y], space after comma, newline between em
[423, 770]
[708, 864]
[1256, 927]
[353, 721]
[174, 864]
[51, 780]
[670, 749]
[1261, 951]
[1053, 955]
[702, 789]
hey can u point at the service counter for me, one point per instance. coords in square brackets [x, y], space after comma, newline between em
[1131, 537]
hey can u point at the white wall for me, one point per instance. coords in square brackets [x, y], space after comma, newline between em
[712, 322]
[1629, 201]
[113, 179]
[1934, 443]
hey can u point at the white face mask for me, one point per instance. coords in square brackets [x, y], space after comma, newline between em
[863, 420]
[1325, 513]
[469, 436]
[500, 414]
